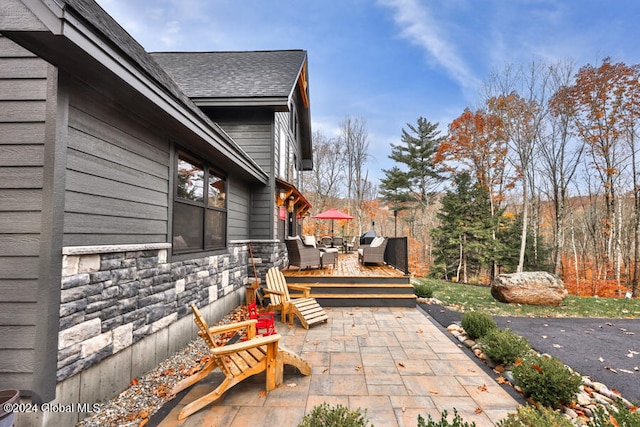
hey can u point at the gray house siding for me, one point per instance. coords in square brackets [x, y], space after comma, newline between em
[117, 181]
[238, 210]
[254, 133]
[23, 89]
[91, 294]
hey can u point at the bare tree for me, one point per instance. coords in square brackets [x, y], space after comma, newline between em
[601, 98]
[519, 98]
[355, 145]
[326, 179]
[560, 156]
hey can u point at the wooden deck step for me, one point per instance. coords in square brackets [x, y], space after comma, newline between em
[354, 284]
[359, 296]
[361, 290]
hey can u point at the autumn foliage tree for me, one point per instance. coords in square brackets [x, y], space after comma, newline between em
[477, 144]
[603, 101]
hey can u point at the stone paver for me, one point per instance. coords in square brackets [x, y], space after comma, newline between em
[393, 362]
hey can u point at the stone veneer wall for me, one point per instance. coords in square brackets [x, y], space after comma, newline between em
[266, 254]
[125, 308]
[115, 297]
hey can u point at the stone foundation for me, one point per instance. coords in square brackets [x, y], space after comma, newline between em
[126, 308]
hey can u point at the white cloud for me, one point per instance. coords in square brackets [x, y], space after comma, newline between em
[419, 27]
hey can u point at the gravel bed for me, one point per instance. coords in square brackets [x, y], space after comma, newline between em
[147, 394]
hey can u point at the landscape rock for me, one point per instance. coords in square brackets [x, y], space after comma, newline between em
[533, 288]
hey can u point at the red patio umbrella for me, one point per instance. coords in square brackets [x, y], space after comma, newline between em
[332, 214]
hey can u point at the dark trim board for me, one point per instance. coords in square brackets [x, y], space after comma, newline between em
[367, 302]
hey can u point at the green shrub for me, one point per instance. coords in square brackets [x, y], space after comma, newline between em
[476, 324]
[338, 416]
[504, 346]
[547, 380]
[620, 413]
[530, 416]
[456, 422]
[423, 290]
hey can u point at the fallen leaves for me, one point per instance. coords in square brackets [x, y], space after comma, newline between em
[143, 416]
[502, 380]
[162, 391]
[482, 388]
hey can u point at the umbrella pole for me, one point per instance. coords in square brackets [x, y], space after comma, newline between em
[331, 233]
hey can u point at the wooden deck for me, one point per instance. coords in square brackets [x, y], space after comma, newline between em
[348, 266]
[351, 283]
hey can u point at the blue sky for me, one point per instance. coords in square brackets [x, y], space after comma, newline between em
[392, 61]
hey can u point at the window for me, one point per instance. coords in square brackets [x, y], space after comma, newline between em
[199, 215]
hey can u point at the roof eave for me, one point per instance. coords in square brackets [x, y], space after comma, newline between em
[62, 22]
[274, 103]
[301, 89]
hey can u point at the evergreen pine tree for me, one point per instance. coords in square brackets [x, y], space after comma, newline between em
[419, 144]
[463, 243]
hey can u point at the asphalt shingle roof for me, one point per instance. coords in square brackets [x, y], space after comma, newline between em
[122, 40]
[249, 74]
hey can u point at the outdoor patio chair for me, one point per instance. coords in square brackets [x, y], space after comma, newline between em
[338, 242]
[238, 361]
[300, 255]
[328, 255]
[373, 253]
[306, 308]
[350, 246]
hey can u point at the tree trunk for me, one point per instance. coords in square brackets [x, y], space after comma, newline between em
[576, 264]
[635, 291]
[525, 222]
[459, 261]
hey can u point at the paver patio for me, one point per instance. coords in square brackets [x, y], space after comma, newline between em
[392, 361]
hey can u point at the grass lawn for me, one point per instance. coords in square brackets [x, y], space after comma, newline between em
[461, 297]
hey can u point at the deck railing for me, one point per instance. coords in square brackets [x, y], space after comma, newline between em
[397, 253]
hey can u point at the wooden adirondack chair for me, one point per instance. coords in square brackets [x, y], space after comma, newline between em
[306, 309]
[239, 361]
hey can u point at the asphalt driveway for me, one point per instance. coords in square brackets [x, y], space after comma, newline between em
[607, 350]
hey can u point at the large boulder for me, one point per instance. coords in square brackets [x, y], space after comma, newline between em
[534, 288]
